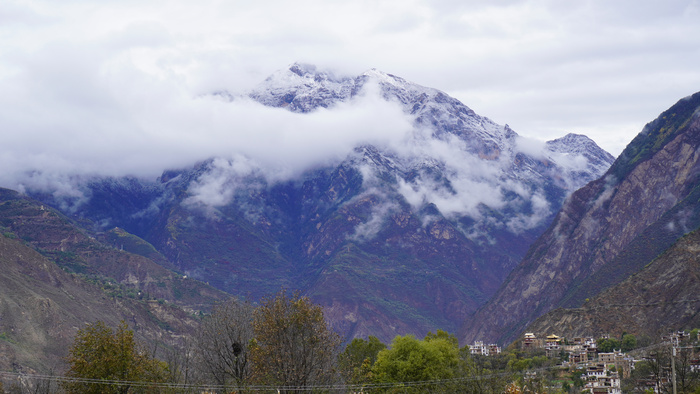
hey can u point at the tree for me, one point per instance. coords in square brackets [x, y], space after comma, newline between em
[483, 374]
[688, 380]
[356, 361]
[607, 345]
[183, 363]
[628, 342]
[99, 353]
[293, 345]
[440, 334]
[222, 343]
[412, 360]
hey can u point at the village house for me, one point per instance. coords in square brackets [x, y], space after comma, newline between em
[553, 340]
[578, 357]
[532, 342]
[676, 337]
[695, 365]
[595, 371]
[589, 345]
[485, 350]
[602, 380]
[621, 361]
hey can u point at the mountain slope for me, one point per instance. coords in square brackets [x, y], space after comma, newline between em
[112, 256]
[661, 298]
[607, 230]
[56, 276]
[393, 237]
[42, 307]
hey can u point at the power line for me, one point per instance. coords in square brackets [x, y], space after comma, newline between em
[333, 387]
[184, 386]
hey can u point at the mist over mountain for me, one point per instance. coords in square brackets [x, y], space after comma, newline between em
[395, 206]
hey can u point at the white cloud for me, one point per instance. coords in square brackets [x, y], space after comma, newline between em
[119, 120]
[216, 187]
[572, 162]
[473, 184]
[530, 146]
[111, 87]
[380, 213]
[469, 183]
[540, 210]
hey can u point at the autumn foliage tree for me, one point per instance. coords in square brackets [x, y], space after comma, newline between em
[102, 360]
[293, 346]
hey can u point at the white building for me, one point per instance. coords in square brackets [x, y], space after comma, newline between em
[485, 350]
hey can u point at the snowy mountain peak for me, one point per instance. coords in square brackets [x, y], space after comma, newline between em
[302, 69]
[574, 143]
[463, 163]
[392, 80]
[304, 88]
[578, 145]
[310, 72]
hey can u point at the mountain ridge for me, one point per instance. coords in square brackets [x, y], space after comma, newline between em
[660, 298]
[393, 239]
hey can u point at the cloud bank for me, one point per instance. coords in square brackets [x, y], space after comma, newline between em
[122, 88]
[598, 68]
[125, 123]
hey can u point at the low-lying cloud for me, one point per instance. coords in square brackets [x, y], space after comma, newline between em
[93, 115]
[121, 121]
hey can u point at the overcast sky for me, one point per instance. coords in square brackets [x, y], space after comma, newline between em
[117, 85]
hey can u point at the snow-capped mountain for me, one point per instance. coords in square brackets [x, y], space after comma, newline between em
[471, 158]
[404, 236]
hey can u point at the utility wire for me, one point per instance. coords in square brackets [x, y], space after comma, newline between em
[368, 386]
[422, 383]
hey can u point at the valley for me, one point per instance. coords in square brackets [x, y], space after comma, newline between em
[460, 225]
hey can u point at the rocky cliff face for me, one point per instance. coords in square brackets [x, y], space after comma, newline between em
[607, 230]
[404, 237]
[661, 298]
